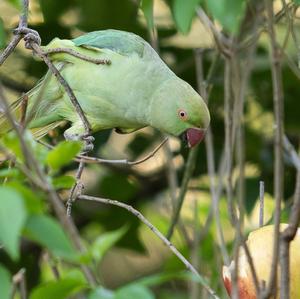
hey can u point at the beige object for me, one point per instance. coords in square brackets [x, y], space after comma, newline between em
[260, 244]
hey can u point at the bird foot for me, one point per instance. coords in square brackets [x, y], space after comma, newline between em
[86, 138]
[29, 36]
[88, 142]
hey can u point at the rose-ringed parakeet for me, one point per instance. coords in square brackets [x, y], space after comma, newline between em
[136, 90]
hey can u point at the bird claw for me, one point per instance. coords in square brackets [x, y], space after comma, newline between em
[88, 143]
[85, 137]
[30, 36]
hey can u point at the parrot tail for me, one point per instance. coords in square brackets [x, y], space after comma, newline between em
[17, 109]
[36, 109]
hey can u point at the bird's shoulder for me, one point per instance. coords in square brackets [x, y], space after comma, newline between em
[122, 42]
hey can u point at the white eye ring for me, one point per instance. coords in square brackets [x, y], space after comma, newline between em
[182, 114]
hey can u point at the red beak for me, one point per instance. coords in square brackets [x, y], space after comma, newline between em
[194, 136]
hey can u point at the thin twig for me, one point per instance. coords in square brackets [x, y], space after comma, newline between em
[77, 185]
[290, 150]
[261, 202]
[95, 160]
[204, 89]
[276, 56]
[237, 73]
[195, 251]
[140, 216]
[17, 38]
[189, 168]
[78, 55]
[229, 140]
[19, 279]
[221, 40]
[287, 14]
[214, 189]
[10, 48]
[235, 222]
[53, 266]
[286, 238]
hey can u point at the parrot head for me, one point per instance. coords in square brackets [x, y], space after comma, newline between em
[179, 110]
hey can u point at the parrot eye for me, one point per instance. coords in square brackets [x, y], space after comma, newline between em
[182, 114]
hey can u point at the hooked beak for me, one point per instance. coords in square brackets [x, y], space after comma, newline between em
[194, 136]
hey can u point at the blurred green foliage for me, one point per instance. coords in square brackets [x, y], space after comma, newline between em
[27, 225]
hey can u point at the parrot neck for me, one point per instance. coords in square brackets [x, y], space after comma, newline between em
[157, 109]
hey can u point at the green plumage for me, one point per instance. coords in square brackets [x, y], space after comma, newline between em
[136, 90]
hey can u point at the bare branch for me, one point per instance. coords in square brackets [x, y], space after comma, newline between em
[143, 219]
[261, 203]
[17, 38]
[292, 152]
[221, 40]
[10, 48]
[214, 189]
[189, 168]
[78, 55]
[19, 280]
[95, 160]
[74, 191]
[276, 56]
[287, 236]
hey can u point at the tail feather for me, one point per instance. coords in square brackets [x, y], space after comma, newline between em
[41, 116]
[15, 109]
[39, 133]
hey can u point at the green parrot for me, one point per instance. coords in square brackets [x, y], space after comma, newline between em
[137, 89]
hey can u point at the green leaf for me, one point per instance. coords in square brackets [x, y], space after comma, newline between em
[47, 232]
[63, 153]
[296, 1]
[183, 13]
[10, 173]
[63, 182]
[130, 291]
[2, 34]
[228, 12]
[101, 293]
[33, 200]
[134, 291]
[12, 218]
[12, 142]
[60, 289]
[5, 283]
[102, 244]
[147, 8]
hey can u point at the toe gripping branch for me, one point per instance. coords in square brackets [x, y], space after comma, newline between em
[88, 142]
[29, 35]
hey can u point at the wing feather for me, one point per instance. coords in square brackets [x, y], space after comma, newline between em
[122, 42]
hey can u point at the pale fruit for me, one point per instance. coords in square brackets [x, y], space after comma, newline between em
[260, 244]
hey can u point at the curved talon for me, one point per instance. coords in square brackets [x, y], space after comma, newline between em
[88, 147]
[88, 138]
[88, 142]
[30, 36]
